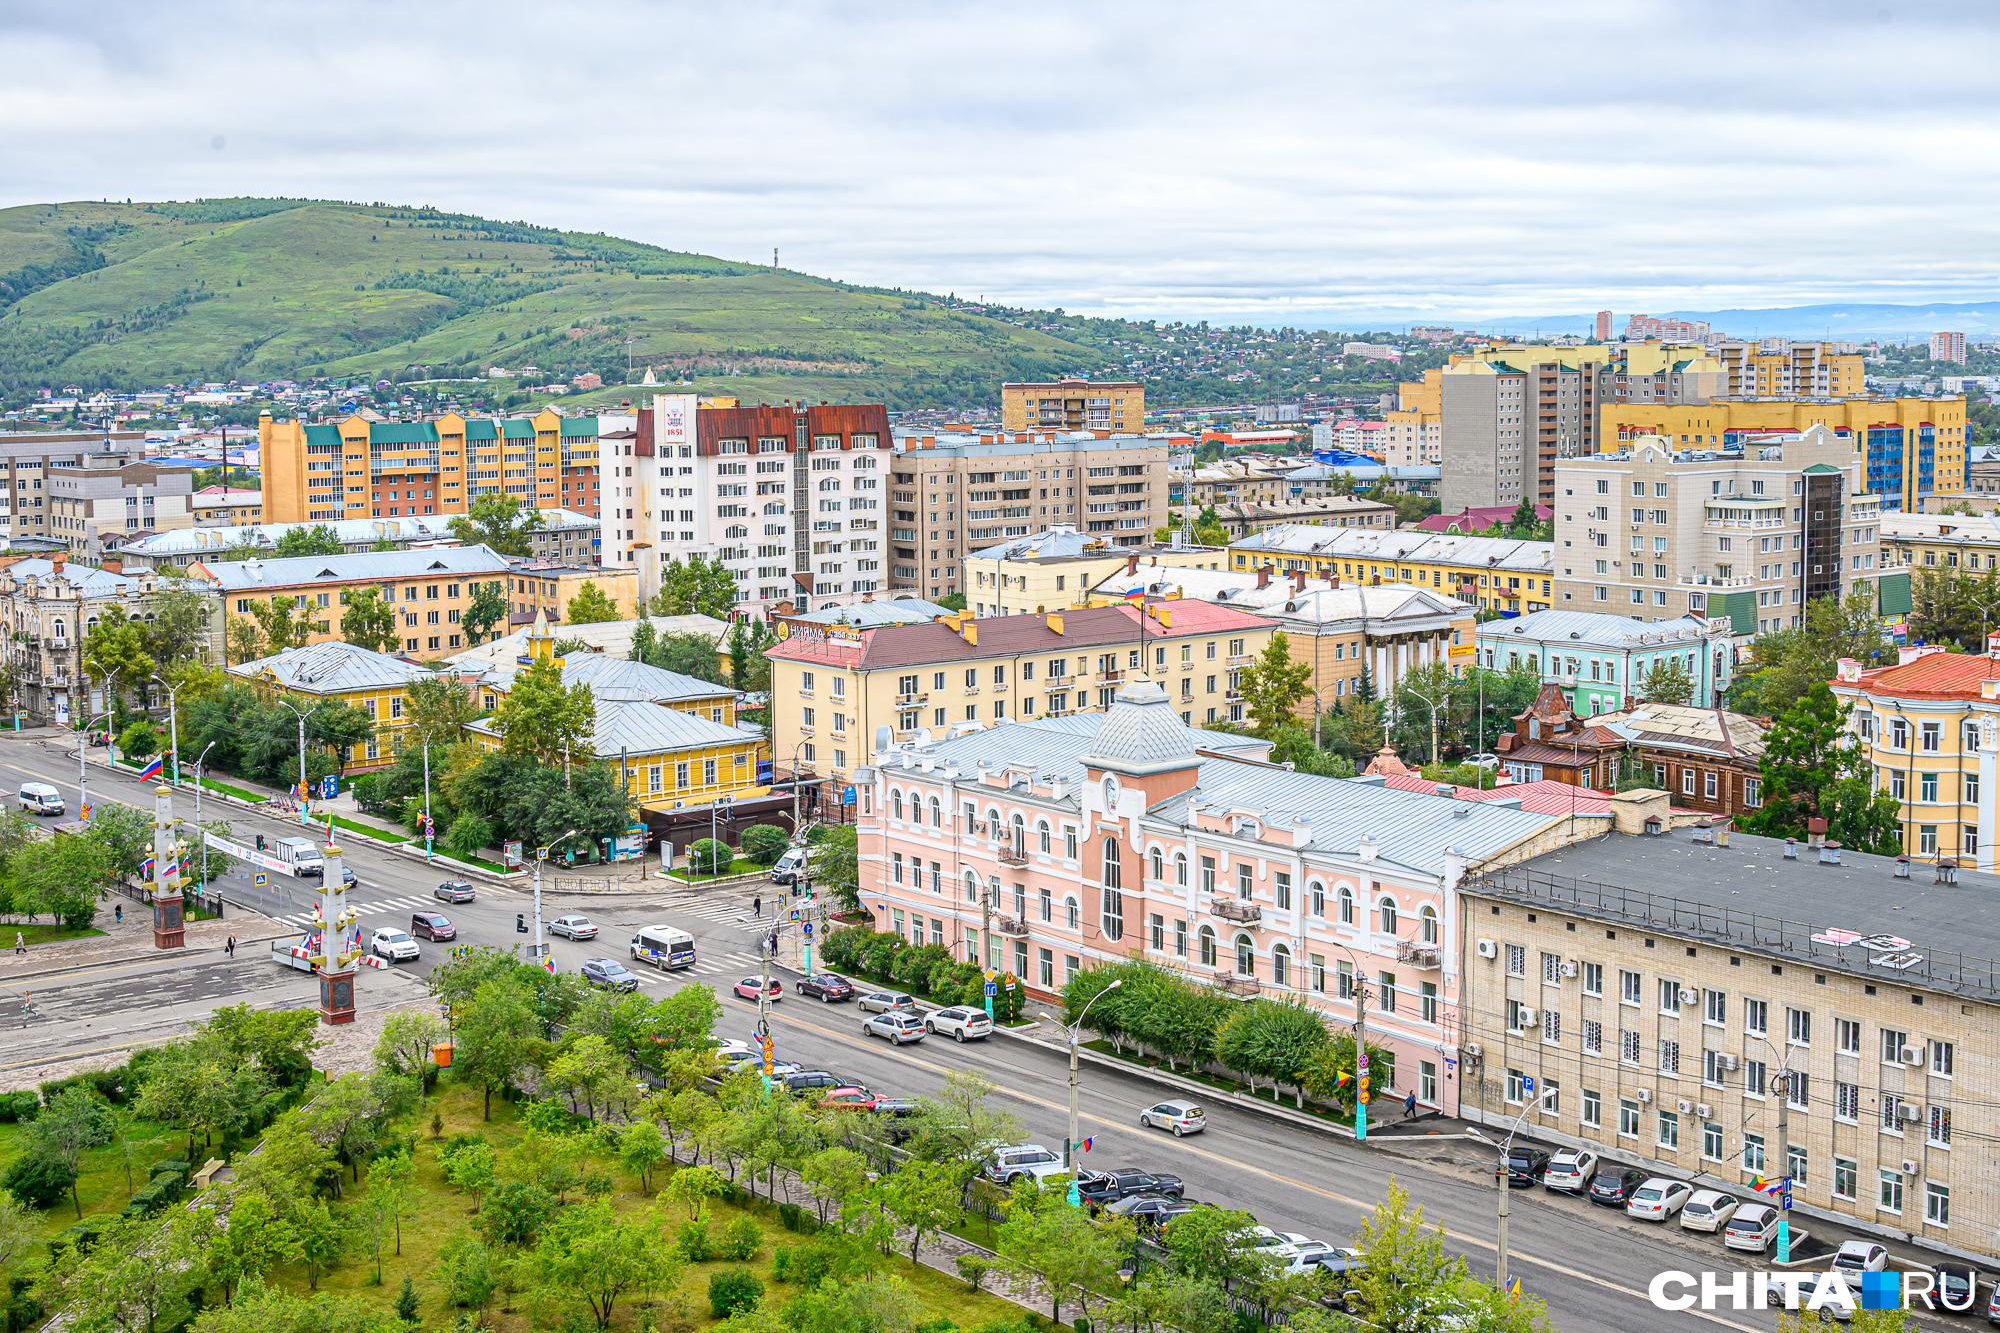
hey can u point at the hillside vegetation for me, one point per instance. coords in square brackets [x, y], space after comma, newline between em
[130, 295]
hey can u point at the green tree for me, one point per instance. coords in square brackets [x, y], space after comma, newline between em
[284, 622]
[952, 601]
[467, 1272]
[589, 1070]
[542, 719]
[749, 668]
[834, 1175]
[924, 1198]
[1954, 607]
[696, 586]
[495, 1032]
[1783, 664]
[689, 654]
[255, 1241]
[642, 1151]
[406, 1044]
[73, 1122]
[341, 728]
[498, 522]
[322, 1239]
[1408, 1280]
[439, 707]
[1271, 1040]
[1813, 767]
[1214, 1246]
[242, 640]
[1060, 1249]
[182, 628]
[486, 610]
[764, 843]
[1273, 686]
[319, 539]
[370, 622]
[18, 1230]
[833, 861]
[114, 651]
[1668, 682]
[592, 1252]
[1208, 529]
[590, 606]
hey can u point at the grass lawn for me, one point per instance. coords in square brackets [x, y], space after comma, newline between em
[440, 1212]
[43, 933]
[229, 789]
[739, 866]
[374, 831]
[1329, 1114]
[100, 1185]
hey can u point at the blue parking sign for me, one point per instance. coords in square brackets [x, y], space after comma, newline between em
[1527, 1083]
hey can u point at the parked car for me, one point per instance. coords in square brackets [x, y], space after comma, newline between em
[1281, 1245]
[1708, 1210]
[826, 987]
[1753, 1227]
[961, 1022]
[1570, 1170]
[899, 1027]
[1957, 1289]
[1148, 1210]
[1098, 1188]
[1031, 1160]
[1343, 1268]
[809, 1080]
[1658, 1199]
[749, 988]
[849, 1098]
[609, 973]
[394, 945]
[39, 798]
[1180, 1117]
[1306, 1258]
[1525, 1166]
[432, 926]
[896, 1113]
[454, 891]
[1993, 1306]
[1614, 1186]
[736, 1053]
[1855, 1257]
[882, 1001]
[573, 927]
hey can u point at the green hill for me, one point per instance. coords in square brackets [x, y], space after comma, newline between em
[125, 296]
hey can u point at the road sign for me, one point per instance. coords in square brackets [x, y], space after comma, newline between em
[262, 879]
[1527, 1083]
[991, 989]
[510, 853]
[329, 787]
[807, 930]
[847, 795]
[795, 915]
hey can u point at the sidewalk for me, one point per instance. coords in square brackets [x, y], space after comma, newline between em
[133, 939]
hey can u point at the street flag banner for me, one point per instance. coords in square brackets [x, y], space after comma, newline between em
[1771, 1187]
[549, 963]
[1083, 1145]
[1514, 1290]
[152, 769]
[146, 868]
[1136, 595]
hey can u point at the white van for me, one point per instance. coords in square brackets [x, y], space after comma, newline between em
[301, 855]
[787, 868]
[39, 798]
[665, 947]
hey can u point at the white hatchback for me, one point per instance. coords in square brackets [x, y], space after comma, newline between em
[1709, 1210]
[1658, 1199]
[1570, 1171]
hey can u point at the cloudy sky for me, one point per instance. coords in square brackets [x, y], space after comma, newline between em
[1308, 162]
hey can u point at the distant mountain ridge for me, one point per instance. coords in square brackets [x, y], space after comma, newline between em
[1844, 321]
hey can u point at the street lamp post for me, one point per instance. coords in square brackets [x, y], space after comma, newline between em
[200, 832]
[83, 766]
[173, 726]
[539, 950]
[305, 792]
[428, 827]
[716, 807]
[1506, 1146]
[1075, 1033]
[1783, 1244]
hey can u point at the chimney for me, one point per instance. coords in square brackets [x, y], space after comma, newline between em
[58, 560]
[1993, 646]
[1829, 854]
[1298, 581]
[1815, 831]
[1263, 576]
[114, 564]
[1367, 848]
[1132, 563]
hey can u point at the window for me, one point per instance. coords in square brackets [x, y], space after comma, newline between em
[1847, 1101]
[1892, 1113]
[1592, 1114]
[1937, 1128]
[1316, 970]
[1937, 1204]
[1796, 1089]
[1628, 1118]
[1711, 1069]
[1593, 1037]
[1843, 1178]
[1208, 876]
[1515, 1093]
[1846, 1036]
[1427, 1002]
[1711, 1142]
[1205, 945]
[1756, 1017]
[1628, 1046]
[1893, 1044]
[1281, 965]
[1670, 1056]
[1386, 910]
[1593, 978]
[1046, 901]
[1753, 1078]
[1385, 992]
[1714, 1008]
[1753, 1152]
[1346, 902]
[1552, 1030]
[1670, 996]
[1669, 1132]
[1517, 960]
[1281, 890]
[1798, 1027]
[1551, 969]
[1889, 1190]
[1516, 1021]
[1316, 898]
[1069, 843]
[1628, 987]
[1246, 883]
[1246, 956]
[1180, 939]
[1941, 1056]
[1796, 1163]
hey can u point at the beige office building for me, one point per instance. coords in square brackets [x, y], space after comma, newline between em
[1752, 534]
[1074, 404]
[951, 495]
[1057, 568]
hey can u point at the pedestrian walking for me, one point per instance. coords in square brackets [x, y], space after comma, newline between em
[28, 1009]
[118, 914]
[757, 905]
[20, 943]
[1409, 1105]
[230, 948]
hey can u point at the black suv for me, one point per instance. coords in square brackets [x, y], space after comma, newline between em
[1098, 1188]
[814, 1080]
[1525, 1166]
[826, 987]
[1614, 1185]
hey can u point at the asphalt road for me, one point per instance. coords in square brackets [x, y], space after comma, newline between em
[1590, 1264]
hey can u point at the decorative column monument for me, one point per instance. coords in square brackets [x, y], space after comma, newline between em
[169, 923]
[339, 948]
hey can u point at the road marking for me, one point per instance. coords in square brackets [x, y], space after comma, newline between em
[1235, 1164]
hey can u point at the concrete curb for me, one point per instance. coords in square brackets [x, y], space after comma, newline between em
[241, 940]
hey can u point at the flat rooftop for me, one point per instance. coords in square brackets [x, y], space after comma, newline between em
[1853, 917]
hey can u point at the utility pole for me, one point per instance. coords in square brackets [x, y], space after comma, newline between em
[986, 970]
[1361, 1055]
[428, 829]
[201, 832]
[1784, 1243]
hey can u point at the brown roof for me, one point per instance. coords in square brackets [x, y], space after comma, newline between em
[894, 646]
[1937, 674]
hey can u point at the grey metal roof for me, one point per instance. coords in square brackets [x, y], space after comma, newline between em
[328, 668]
[617, 678]
[1060, 542]
[357, 567]
[1085, 725]
[637, 727]
[90, 581]
[1748, 896]
[1594, 629]
[1141, 732]
[1402, 544]
[360, 532]
[882, 611]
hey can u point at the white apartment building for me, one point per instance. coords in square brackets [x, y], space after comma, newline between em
[1752, 534]
[792, 499]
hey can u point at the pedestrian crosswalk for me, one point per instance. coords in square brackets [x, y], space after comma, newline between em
[721, 968]
[403, 904]
[735, 915]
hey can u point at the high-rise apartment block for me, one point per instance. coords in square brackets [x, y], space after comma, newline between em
[1913, 447]
[1948, 347]
[1413, 434]
[30, 460]
[1074, 404]
[1509, 411]
[1751, 534]
[1645, 328]
[1780, 368]
[1603, 326]
[361, 468]
[790, 498]
[955, 494]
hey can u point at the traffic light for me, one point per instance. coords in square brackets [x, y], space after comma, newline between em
[260, 842]
[770, 1054]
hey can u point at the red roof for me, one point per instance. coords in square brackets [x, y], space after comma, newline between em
[1478, 518]
[1939, 675]
[1004, 636]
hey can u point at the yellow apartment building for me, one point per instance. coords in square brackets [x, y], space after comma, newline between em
[430, 589]
[375, 683]
[1497, 574]
[549, 586]
[1941, 541]
[1074, 404]
[1912, 447]
[1780, 369]
[834, 687]
[358, 468]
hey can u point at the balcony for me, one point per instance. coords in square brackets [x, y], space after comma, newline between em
[1013, 856]
[912, 699]
[57, 645]
[1418, 955]
[1237, 985]
[1236, 909]
[1010, 925]
[1110, 677]
[1054, 683]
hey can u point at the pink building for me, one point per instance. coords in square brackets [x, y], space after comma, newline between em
[1063, 843]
